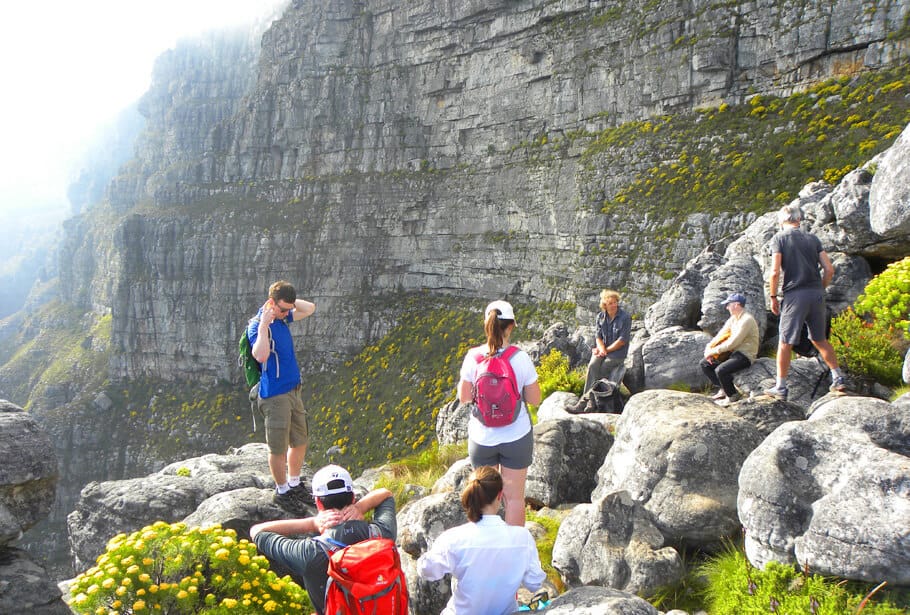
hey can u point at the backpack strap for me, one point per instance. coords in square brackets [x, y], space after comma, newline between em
[506, 354]
[329, 545]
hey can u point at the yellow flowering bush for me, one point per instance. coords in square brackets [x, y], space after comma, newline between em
[172, 569]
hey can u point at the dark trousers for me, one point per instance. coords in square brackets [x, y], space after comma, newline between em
[721, 374]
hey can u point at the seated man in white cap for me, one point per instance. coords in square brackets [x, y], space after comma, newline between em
[340, 518]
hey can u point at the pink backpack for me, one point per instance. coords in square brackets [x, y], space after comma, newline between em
[496, 397]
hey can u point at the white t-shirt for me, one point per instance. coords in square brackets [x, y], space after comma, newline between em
[525, 374]
[490, 561]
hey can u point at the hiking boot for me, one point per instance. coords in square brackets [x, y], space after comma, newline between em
[286, 500]
[838, 385]
[301, 494]
[777, 392]
[581, 407]
[729, 400]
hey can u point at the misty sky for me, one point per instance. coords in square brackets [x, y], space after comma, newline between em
[69, 67]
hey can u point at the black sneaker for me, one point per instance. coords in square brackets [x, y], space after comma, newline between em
[285, 500]
[302, 494]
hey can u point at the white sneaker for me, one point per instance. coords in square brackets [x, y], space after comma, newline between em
[719, 395]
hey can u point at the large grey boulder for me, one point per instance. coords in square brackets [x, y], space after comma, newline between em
[238, 510]
[555, 408]
[679, 455]
[739, 274]
[614, 543]
[590, 600]
[680, 305]
[419, 524]
[567, 453]
[574, 345]
[28, 472]
[452, 422]
[670, 358]
[25, 586]
[807, 381]
[105, 509]
[831, 493]
[889, 196]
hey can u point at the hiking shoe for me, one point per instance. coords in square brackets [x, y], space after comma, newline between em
[285, 500]
[777, 392]
[729, 400]
[838, 385]
[302, 494]
[580, 408]
[719, 395]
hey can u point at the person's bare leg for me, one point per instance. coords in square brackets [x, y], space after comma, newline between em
[513, 494]
[295, 459]
[783, 360]
[827, 352]
[278, 468]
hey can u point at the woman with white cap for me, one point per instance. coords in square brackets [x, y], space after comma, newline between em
[734, 348]
[509, 448]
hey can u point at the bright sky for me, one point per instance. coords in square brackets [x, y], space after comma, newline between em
[70, 66]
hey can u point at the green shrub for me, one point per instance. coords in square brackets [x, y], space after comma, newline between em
[554, 374]
[545, 547]
[866, 349]
[171, 568]
[734, 587]
[886, 298]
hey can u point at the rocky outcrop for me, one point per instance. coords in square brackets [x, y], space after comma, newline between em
[679, 455]
[889, 194]
[831, 493]
[599, 601]
[28, 475]
[234, 489]
[615, 543]
[28, 472]
[566, 455]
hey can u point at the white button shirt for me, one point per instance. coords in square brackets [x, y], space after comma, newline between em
[490, 561]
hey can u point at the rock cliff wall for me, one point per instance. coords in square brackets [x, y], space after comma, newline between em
[372, 148]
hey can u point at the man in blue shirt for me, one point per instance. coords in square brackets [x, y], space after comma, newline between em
[608, 358]
[279, 388]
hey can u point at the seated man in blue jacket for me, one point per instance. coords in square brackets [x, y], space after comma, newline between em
[340, 518]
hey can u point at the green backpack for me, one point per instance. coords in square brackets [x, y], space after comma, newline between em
[250, 366]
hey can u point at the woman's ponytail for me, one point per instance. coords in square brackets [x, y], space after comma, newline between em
[484, 485]
[495, 328]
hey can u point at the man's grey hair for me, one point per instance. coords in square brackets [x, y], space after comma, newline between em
[789, 213]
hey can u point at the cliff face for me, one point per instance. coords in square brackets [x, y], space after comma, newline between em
[383, 147]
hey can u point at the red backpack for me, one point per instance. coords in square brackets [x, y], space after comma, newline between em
[365, 578]
[496, 397]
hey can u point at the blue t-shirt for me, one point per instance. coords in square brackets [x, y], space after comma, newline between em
[280, 373]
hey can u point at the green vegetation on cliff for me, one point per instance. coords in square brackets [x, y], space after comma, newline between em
[754, 156]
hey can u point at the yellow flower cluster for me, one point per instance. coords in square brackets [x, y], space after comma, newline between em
[175, 569]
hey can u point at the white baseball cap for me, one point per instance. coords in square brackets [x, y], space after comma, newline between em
[505, 310]
[330, 480]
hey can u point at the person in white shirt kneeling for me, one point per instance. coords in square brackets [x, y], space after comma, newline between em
[489, 559]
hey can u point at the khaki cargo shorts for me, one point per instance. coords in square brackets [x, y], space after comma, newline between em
[285, 422]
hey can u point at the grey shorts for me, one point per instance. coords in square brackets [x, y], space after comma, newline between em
[805, 305]
[514, 455]
[285, 422]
